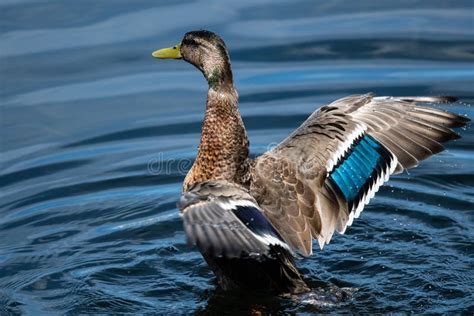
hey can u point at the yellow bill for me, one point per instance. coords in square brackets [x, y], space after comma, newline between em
[168, 53]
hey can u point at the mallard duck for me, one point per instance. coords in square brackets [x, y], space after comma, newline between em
[250, 218]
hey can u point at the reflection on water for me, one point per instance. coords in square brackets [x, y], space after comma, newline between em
[94, 133]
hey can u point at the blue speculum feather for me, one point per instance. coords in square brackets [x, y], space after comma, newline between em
[359, 167]
[255, 221]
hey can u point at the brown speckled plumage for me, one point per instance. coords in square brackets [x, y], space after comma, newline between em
[249, 217]
[223, 150]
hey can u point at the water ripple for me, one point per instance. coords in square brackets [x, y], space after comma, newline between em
[97, 137]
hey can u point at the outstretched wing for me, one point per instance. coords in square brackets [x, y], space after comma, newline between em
[223, 220]
[318, 179]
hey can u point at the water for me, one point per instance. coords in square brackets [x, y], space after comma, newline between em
[96, 137]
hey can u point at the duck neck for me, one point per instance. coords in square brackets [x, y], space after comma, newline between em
[219, 77]
[223, 150]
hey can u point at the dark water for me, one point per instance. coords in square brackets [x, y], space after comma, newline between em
[96, 137]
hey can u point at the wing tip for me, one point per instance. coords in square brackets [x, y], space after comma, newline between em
[457, 120]
[446, 99]
[431, 99]
[461, 120]
[455, 136]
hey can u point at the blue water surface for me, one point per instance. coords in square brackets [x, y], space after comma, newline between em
[96, 137]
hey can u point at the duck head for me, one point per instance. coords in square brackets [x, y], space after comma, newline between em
[207, 52]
